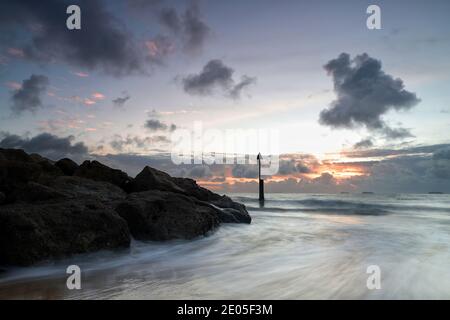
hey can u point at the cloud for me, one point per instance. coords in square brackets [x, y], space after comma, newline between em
[288, 167]
[98, 96]
[45, 144]
[235, 91]
[120, 101]
[28, 96]
[103, 43]
[195, 31]
[441, 163]
[245, 171]
[155, 125]
[414, 150]
[196, 172]
[170, 19]
[363, 144]
[159, 48]
[412, 170]
[364, 94]
[396, 133]
[80, 74]
[215, 75]
[188, 27]
[121, 144]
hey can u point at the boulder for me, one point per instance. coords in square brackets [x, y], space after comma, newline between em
[18, 168]
[191, 188]
[34, 192]
[152, 179]
[67, 166]
[94, 170]
[161, 215]
[77, 187]
[33, 232]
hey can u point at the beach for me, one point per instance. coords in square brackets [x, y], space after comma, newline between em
[299, 246]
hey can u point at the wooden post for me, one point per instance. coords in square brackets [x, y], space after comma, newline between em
[261, 181]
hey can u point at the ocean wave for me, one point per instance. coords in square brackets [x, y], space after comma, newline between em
[338, 206]
[325, 210]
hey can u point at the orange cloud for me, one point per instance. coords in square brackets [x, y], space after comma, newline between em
[98, 96]
[89, 102]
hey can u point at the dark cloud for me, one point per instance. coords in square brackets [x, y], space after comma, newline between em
[245, 171]
[187, 27]
[195, 31]
[441, 163]
[414, 150]
[120, 101]
[28, 97]
[103, 43]
[155, 125]
[201, 171]
[415, 170]
[364, 94]
[396, 133]
[121, 144]
[235, 91]
[288, 167]
[170, 19]
[442, 154]
[215, 75]
[45, 144]
[363, 144]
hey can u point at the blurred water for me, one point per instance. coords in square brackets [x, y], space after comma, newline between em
[299, 246]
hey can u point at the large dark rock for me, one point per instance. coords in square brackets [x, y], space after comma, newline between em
[69, 188]
[18, 168]
[51, 210]
[33, 232]
[94, 170]
[67, 166]
[77, 187]
[191, 188]
[34, 192]
[152, 179]
[162, 215]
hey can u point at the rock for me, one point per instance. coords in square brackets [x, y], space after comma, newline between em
[15, 155]
[77, 187]
[18, 168]
[33, 232]
[67, 166]
[191, 188]
[94, 170]
[152, 179]
[162, 215]
[231, 215]
[51, 210]
[35, 192]
[238, 210]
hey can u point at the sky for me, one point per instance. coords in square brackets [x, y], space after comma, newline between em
[354, 109]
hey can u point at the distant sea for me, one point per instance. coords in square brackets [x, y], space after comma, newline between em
[299, 246]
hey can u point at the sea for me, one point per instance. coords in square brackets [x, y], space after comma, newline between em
[298, 246]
